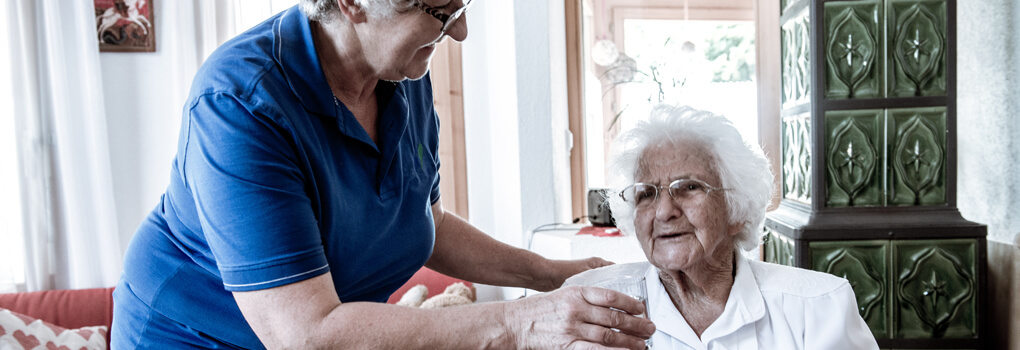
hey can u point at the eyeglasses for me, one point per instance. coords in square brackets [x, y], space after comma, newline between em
[448, 20]
[642, 195]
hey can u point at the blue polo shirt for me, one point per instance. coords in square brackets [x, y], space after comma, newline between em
[274, 182]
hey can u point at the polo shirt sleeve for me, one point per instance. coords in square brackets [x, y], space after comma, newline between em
[250, 194]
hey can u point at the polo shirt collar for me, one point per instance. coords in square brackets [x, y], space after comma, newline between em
[744, 305]
[294, 51]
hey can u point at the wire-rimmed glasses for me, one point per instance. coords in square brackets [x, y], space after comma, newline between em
[640, 195]
[448, 20]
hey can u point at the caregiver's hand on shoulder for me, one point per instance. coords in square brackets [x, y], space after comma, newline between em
[557, 271]
[577, 318]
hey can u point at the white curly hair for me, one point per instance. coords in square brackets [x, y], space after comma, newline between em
[326, 11]
[743, 168]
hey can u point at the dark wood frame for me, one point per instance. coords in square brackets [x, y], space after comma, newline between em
[150, 40]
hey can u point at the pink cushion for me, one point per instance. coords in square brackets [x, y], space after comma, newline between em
[434, 281]
[66, 308]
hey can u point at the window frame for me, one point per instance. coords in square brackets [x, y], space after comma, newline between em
[764, 13]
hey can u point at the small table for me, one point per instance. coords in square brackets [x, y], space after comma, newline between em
[563, 242]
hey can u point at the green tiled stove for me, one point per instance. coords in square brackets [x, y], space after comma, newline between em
[869, 167]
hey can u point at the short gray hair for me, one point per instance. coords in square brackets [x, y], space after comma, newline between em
[326, 11]
[743, 168]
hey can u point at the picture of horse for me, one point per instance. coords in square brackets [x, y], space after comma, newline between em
[125, 25]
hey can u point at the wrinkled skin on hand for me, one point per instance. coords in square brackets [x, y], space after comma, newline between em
[578, 318]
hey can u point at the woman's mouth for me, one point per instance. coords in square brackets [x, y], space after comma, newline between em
[672, 236]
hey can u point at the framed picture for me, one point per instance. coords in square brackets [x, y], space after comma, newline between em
[125, 25]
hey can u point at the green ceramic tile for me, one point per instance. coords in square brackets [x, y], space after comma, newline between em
[853, 49]
[863, 263]
[935, 292]
[917, 47]
[803, 61]
[796, 56]
[854, 158]
[796, 163]
[917, 156]
[778, 248]
[789, 162]
[787, 54]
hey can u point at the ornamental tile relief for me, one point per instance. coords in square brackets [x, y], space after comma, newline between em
[854, 158]
[936, 289]
[893, 157]
[853, 49]
[796, 69]
[797, 158]
[907, 289]
[918, 156]
[918, 48]
[863, 264]
[778, 249]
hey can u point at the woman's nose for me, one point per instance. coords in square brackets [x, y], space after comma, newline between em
[666, 207]
[459, 30]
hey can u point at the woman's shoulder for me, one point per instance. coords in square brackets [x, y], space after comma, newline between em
[236, 67]
[794, 281]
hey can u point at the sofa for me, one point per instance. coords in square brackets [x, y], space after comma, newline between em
[72, 309]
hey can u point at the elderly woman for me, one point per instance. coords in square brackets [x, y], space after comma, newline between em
[695, 196]
[305, 190]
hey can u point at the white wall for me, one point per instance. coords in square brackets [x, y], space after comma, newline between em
[490, 127]
[542, 111]
[988, 186]
[515, 120]
[144, 96]
[988, 116]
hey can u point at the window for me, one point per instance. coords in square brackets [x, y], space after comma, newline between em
[632, 55]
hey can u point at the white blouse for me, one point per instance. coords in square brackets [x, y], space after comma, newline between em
[769, 307]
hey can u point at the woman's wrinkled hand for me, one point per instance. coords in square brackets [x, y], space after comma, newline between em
[577, 318]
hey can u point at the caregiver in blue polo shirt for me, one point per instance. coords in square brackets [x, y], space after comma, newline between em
[305, 190]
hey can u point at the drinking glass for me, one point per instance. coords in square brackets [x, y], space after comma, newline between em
[632, 285]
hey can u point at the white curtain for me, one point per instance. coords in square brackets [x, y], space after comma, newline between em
[70, 230]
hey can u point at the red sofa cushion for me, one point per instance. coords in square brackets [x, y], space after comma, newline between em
[434, 281]
[66, 308]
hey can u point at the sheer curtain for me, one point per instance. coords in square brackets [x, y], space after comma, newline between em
[59, 224]
[66, 192]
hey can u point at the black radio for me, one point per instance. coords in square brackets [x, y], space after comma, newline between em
[598, 207]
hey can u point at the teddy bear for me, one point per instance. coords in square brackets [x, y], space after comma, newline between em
[455, 294]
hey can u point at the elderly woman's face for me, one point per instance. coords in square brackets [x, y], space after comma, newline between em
[682, 233]
[406, 42]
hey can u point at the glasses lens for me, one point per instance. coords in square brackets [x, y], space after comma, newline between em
[686, 188]
[640, 194]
